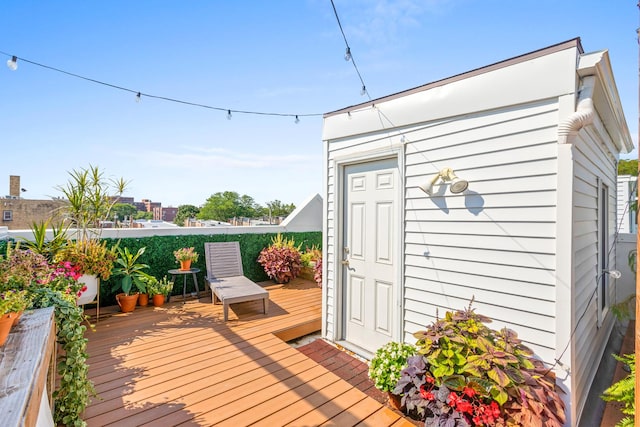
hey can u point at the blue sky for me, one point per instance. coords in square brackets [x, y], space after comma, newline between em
[283, 56]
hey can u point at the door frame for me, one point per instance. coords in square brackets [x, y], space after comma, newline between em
[395, 151]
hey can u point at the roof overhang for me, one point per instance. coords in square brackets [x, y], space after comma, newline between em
[605, 97]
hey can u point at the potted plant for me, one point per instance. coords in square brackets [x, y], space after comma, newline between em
[133, 277]
[185, 256]
[468, 374]
[12, 303]
[90, 198]
[281, 260]
[387, 364]
[93, 260]
[159, 289]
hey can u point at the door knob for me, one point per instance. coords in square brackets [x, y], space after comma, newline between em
[345, 262]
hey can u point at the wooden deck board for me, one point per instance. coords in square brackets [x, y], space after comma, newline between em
[183, 365]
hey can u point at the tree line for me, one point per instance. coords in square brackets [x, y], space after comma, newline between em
[221, 206]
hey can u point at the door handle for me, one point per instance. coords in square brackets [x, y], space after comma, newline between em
[345, 262]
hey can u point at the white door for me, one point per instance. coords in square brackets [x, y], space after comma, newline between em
[369, 263]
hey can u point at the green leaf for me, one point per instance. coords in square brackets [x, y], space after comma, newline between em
[498, 375]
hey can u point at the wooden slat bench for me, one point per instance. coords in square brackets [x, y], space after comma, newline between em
[226, 278]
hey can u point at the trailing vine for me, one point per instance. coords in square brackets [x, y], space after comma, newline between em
[72, 396]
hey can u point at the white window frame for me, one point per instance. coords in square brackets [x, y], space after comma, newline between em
[603, 281]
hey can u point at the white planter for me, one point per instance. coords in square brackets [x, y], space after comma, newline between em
[91, 282]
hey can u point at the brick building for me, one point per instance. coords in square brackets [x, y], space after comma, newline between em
[19, 213]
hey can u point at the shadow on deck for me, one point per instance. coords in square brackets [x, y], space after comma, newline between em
[182, 365]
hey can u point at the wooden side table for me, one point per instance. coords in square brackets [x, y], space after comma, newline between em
[176, 272]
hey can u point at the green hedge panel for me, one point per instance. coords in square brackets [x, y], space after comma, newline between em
[159, 255]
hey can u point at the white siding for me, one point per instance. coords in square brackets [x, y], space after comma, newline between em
[495, 242]
[626, 194]
[593, 162]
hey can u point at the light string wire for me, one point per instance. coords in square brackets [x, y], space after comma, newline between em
[163, 98]
[595, 291]
[352, 59]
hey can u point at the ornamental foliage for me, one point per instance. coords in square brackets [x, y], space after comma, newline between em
[466, 374]
[281, 260]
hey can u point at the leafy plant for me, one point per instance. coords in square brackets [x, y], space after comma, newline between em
[317, 271]
[74, 389]
[20, 268]
[13, 301]
[281, 260]
[131, 270]
[186, 254]
[40, 244]
[89, 256]
[387, 364]
[462, 354]
[159, 287]
[90, 198]
[624, 391]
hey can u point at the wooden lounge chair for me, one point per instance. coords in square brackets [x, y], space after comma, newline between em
[226, 279]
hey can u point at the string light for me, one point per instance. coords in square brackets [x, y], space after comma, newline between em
[13, 63]
[348, 56]
[228, 114]
[349, 115]
[297, 120]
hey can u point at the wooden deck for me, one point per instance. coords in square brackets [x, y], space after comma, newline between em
[182, 365]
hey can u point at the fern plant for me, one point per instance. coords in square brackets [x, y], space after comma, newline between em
[624, 391]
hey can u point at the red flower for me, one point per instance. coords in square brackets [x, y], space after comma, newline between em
[464, 406]
[429, 380]
[495, 409]
[469, 392]
[453, 399]
[426, 394]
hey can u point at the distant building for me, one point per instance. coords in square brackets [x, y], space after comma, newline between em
[165, 214]
[19, 213]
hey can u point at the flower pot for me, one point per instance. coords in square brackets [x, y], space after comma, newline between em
[185, 265]
[6, 322]
[395, 401]
[143, 300]
[89, 294]
[127, 303]
[158, 300]
[16, 319]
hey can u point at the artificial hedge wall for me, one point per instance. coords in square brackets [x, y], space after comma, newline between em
[159, 255]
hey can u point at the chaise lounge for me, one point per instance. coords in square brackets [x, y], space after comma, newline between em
[226, 279]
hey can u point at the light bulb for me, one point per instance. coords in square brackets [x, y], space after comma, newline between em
[138, 97]
[347, 54]
[13, 63]
[349, 115]
[297, 119]
[363, 91]
[228, 114]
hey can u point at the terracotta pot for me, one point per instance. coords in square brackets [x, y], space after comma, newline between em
[158, 300]
[6, 322]
[185, 265]
[143, 300]
[127, 303]
[395, 401]
[16, 319]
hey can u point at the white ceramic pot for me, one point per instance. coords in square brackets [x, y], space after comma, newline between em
[91, 282]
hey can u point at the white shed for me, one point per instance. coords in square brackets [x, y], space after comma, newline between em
[537, 137]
